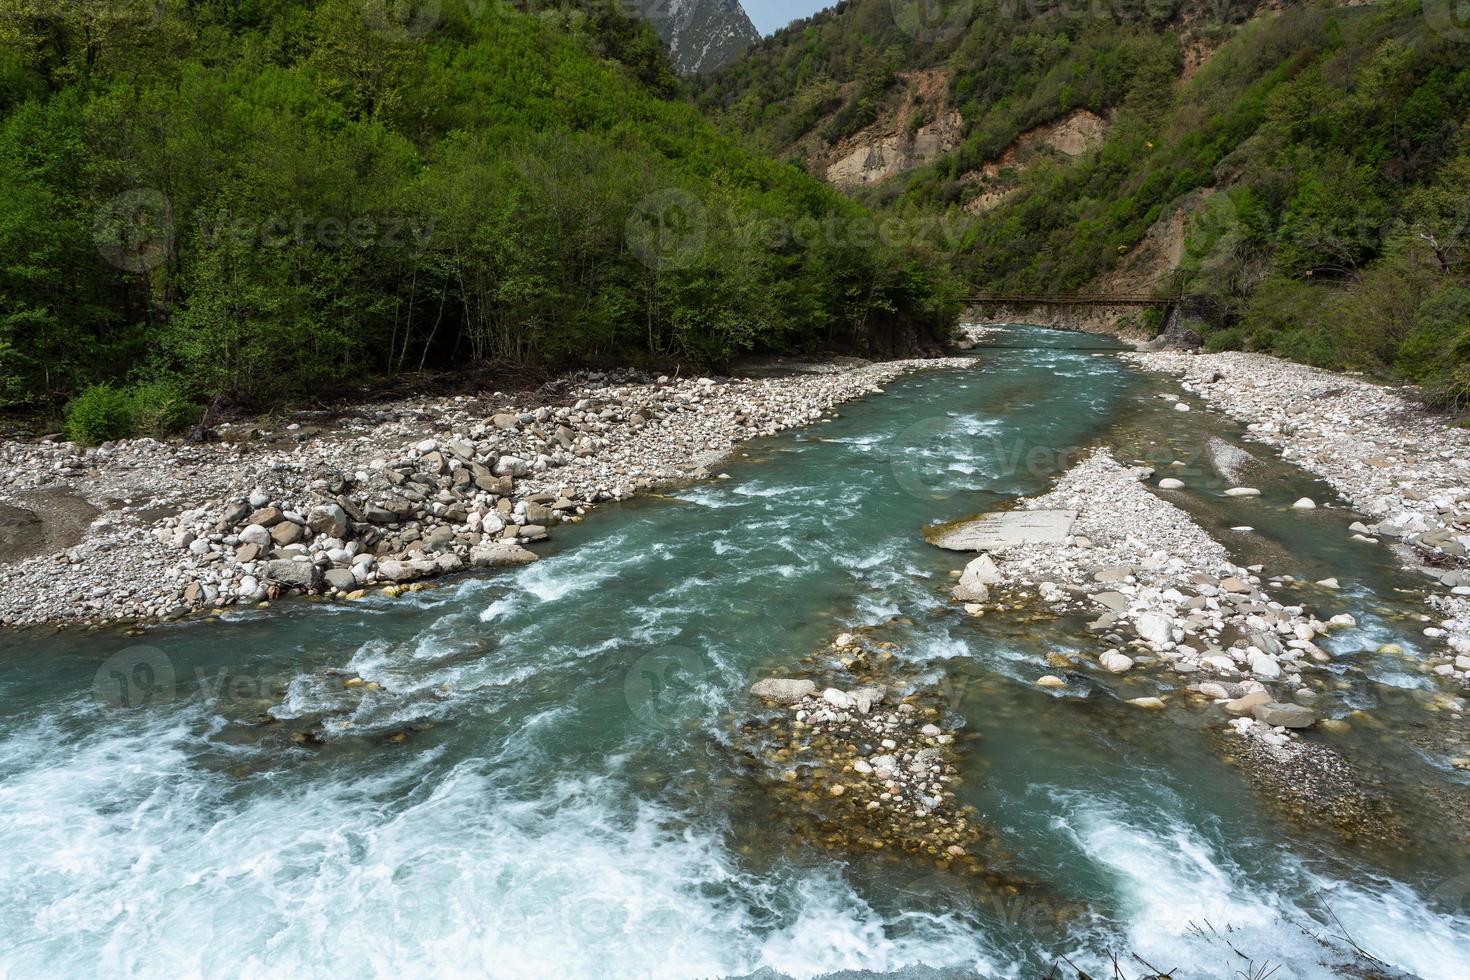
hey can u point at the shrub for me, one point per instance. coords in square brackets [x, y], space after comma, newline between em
[101, 413]
[1453, 393]
[159, 409]
[1223, 340]
[1317, 344]
[1440, 338]
[1148, 321]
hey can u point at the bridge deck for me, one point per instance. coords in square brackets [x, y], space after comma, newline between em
[1073, 299]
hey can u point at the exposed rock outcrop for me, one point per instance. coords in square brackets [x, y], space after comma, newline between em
[924, 127]
[1071, 136]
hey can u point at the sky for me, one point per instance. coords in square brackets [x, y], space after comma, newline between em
[772, 15]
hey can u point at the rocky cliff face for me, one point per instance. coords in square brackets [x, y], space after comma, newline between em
[702, 34]
[922, 126]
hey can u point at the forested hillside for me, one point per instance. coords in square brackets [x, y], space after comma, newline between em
[1304, 167]
[258, 200]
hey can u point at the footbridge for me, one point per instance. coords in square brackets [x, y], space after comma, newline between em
[1084, 311]
[1072, 299]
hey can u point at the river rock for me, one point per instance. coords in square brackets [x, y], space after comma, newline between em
[1115, 662]
[1155, 628]
[840, 700]
[268, 517]
[377, 514]
[287, 533]
[1171, 484]
[1242, 492]
[501, 554]
[255, 534]
[864, 698]
[397, 571]
[1279, 715]
[1264, 665]
[296, 574]
[512, 466]
[329, 520]
[1051, 681]
[1246, 705]
[341, 579]
[972, 586]
[783, 690]
[1266, 642]
[439, 538]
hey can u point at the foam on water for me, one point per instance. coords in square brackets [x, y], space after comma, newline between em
[939, 648]
[708, 497]
[556, 579]
[124, 856]
[861, 443]
[1181, 895]
[835, 930]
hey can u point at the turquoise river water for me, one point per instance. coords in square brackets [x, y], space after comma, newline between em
[543, 785]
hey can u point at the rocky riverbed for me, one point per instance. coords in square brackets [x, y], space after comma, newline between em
[1406, 468]
[864, 762]
[1165, 602]
[384, 496]
[1180, 627]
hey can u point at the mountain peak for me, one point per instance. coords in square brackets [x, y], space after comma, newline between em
[702, 34]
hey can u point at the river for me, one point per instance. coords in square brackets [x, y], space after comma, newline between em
[542, 783]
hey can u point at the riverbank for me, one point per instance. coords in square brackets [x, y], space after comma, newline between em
[1406, 468]
[385, 497]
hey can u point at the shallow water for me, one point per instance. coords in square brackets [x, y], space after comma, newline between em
[543, 786]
